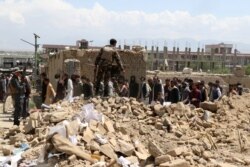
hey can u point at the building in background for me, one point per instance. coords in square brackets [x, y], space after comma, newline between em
[11, 59]
[216, 56]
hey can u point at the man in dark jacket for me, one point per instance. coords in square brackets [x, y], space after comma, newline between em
[17, 92]
[44, 87]
[174, 93]
[133, 87]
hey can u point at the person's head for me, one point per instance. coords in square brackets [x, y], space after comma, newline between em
[217, 83]
[132, 78]
[65, 76]
[57, 76]
[43, 75]
[184, 84]
[142, 79]
[167, 82]
[77, 78]
[195, 85]
[173, 83]
[150, 81]
[113, 42]
[46, 80]
[17, 73]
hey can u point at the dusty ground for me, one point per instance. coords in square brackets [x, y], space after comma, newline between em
[6, 118]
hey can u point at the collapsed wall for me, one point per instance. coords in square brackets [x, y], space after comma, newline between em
[134, 62]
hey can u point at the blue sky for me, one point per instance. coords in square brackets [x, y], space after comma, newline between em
[130, 21]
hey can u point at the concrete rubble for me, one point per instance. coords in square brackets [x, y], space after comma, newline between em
[124, 132]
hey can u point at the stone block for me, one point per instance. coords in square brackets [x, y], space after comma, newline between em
[162, 159]
[175, 163]
[154, 150]
[177, 151]
[107, 150]
[109, 126]
[125, 147]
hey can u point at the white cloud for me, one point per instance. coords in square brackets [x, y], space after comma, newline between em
[58, 20]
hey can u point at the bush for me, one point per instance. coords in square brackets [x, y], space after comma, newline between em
[247, 70]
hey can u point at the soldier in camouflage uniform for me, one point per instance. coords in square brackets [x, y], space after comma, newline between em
[104, 68]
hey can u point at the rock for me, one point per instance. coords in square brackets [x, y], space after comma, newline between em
[107, 150]
[159, 110]
[154, 150]
[88, 135]
[125, 148]
[31, 125]
[238, 160]
[7, 150]
[94, 146]
[58, 116]
[180, 107]
[210, 106]
[175, 163]
[177, 151]
[178, 134]
[72, 158]
[143, 130]
[225, 165]
[162, 159]
[158, 125]
[133, 159]
[108, 125]
[34, 142]
[207, 155]
[17, 138]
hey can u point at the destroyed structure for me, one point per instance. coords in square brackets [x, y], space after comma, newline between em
[123, 132]
[83, 63]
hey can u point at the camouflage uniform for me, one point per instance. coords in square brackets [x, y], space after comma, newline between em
[104, 61]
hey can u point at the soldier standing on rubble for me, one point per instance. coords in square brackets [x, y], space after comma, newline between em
[103, 64]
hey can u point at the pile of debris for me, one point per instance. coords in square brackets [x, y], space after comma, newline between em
[121, 131]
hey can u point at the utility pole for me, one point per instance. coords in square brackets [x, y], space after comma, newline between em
[36, 47]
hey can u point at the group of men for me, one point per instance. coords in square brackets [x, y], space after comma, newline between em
[18, 87]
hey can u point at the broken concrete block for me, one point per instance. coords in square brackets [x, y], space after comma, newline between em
[177, 151]
[94, 146]
[175, 163]
[125, 148]
[109, 126]
[107, 150]
[7, 150]
[58, 116]
[64, 145]
[225, 165]
[31, 125]
[34, 142]
[158, 125]
[17, 138]
[210, 106]
[159, 110]
[88, 135]
[133, 159]
[72, 158]
[154, 150]
[162, 159]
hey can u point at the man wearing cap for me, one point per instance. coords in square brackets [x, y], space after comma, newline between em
[104, 62]
[17, 92]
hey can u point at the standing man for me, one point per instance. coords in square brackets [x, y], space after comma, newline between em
[44, 87]
[104, 62]
[17, 92]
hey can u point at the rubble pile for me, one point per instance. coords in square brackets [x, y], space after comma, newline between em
[121, 131]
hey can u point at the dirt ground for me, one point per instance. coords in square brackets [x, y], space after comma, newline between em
[6, 118]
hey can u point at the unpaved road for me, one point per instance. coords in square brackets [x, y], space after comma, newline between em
[6, 118]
